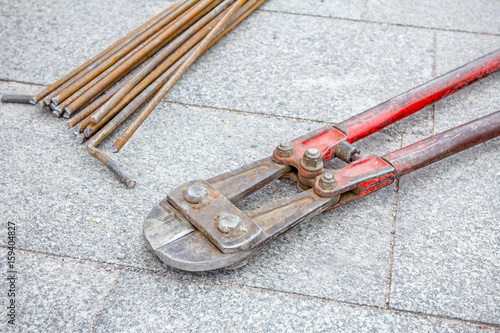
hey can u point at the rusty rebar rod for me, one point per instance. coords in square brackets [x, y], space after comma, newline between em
[172, 17]
[158, 58]
[150, 85]
[92, 62]
[198, 51]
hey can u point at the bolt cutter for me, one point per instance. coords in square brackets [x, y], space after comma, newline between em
[197, 227]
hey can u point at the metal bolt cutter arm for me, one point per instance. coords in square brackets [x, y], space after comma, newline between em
[197, 227]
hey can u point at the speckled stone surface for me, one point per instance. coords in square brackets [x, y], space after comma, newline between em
[474, 16]
[96, 218]
[447, 253]
[189, 306]
[54, 295]
[479, 99]
[43, 40]
[330, 8]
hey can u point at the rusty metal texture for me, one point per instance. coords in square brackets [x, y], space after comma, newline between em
[158, 58]
[113, 122]
[139, 55]
[94, 61]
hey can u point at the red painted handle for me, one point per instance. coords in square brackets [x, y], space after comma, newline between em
[439, 146]
[397, 108]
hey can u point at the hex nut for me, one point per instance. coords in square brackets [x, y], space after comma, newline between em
[327, 181]
[227, 223]
[312, 160]
[284, 149]
[194, 194]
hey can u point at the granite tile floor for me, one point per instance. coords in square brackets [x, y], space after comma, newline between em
[422, 255]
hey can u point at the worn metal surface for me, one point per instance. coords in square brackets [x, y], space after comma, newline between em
[94, 61]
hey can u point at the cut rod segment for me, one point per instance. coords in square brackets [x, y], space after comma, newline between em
[397, 108]
[439, 146]
[23, 99]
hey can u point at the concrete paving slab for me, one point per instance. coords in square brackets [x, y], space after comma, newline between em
[44, 40]
[474, 16]
[276, 64]
[54, 295]
[446, 259]
[58, 189]
[142, 303]
[330, 8]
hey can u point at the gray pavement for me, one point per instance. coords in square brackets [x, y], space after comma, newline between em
[422, 255]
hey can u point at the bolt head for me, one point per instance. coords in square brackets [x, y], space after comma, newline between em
[328, 181]
[226, 223]
[284, 149]
[312, 159]
[194, 194]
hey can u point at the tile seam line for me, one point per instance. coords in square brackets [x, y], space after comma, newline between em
[392, 240]
[235, 111]
[104, 303]
[317, 299]
[380, 23]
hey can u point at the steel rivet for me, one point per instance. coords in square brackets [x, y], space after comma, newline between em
[194, 194]
[229, 222]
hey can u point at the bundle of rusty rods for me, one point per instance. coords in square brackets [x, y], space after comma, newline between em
[139, 69]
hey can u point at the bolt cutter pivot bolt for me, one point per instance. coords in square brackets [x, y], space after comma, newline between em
[228, 222]
[312, 160]
[327, 181]
[194, 194]
[284, 149]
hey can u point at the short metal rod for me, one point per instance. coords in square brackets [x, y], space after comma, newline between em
[22, 99]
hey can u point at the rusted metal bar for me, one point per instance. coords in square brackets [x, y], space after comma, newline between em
[130, 103]
[439, 146]
[133, 59]
[241, 14]
[416, 99]
[92, 62]
[159, 57]
[197, 52]
[174, 17]
[93, 106]
[10, 98]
